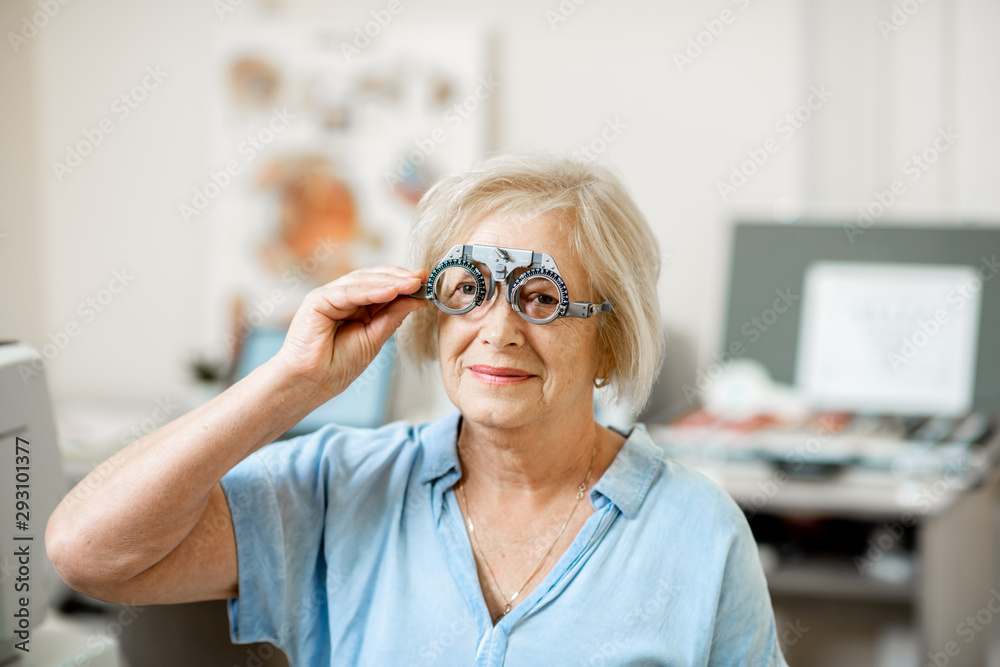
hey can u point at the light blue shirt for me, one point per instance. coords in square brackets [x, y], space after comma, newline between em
[352, 551]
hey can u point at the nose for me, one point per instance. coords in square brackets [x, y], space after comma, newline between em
[499, 325]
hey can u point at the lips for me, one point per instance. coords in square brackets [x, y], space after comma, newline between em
[499, 374]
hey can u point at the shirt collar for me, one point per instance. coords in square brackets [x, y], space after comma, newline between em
[625, 482]
[439, 441]
[628, 478]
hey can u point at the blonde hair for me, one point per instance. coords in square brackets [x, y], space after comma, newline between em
[607, 231]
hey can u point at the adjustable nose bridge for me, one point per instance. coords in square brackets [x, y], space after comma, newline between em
[499, 264]
[500, 325]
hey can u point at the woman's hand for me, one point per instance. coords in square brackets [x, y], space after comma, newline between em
[160, 529]
[341, 326]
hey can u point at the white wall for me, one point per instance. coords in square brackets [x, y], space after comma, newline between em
[21, 278]
[685, 130]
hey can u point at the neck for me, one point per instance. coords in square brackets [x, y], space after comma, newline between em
[534, 464]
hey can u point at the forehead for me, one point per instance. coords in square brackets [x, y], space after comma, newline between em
[547, 233]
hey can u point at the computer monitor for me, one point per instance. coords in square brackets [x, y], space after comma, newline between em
[363, 404]
[770, 263]
[32, 483]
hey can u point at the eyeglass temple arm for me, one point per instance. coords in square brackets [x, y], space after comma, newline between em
[421, 293]
[585, 310]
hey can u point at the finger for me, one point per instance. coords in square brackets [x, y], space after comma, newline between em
[362, 275]
[376, 308]
[365, 278]
[343, 301]
[417, 283]
[406, 284]
[385, 323]
[396, 270]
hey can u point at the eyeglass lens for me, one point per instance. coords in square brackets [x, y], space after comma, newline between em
[538, 298]
[455, 287]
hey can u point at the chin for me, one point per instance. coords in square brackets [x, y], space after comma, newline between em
[501, 412]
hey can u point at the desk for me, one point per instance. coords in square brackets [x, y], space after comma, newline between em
[954, 575]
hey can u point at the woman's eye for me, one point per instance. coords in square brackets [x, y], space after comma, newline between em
[467, 288]
[544, 299]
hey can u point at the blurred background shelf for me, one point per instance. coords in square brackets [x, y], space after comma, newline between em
[836, 579]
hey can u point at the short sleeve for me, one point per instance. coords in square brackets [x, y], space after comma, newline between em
[277, 500]
[744, 632]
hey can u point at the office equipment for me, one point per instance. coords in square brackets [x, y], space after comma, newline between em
[924, 446]
[363, 404]
[767, 276]
[32, 481]
[880, 517]
[863, 549]
[888, 337]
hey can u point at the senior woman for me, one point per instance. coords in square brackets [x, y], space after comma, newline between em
[514, 530]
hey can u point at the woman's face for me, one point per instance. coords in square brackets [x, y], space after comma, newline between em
[502, 371]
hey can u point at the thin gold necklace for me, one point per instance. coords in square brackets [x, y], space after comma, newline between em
[472, 531]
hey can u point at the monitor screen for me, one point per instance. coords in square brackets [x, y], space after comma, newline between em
[768, 280]
[363, 404]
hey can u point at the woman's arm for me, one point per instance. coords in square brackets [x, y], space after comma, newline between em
[154, 526]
